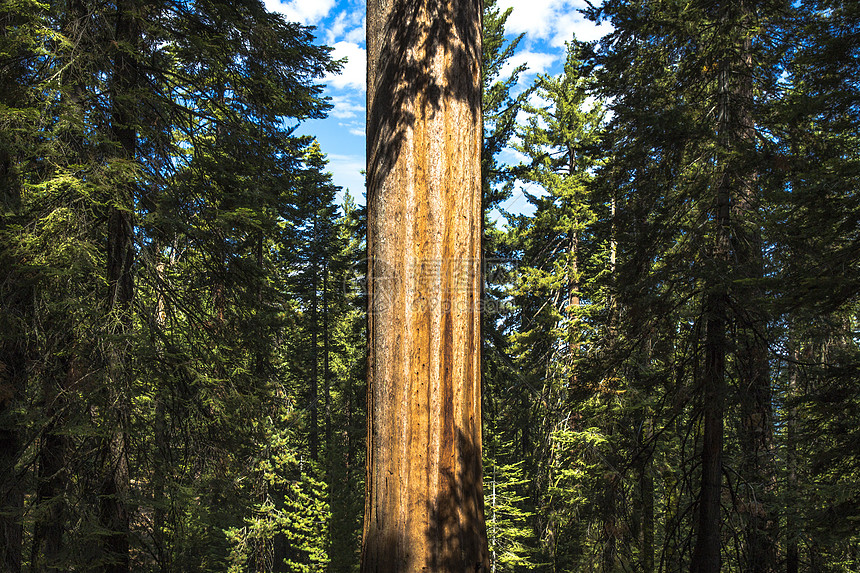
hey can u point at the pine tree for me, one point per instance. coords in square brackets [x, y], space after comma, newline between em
[509, 517]
[508, 505]
[688, 83]
[144, 226]
[312, 241]
[292, 507]
[557, 288]
[500, 106]
[816, 275]
[22, 31]
[348, 371]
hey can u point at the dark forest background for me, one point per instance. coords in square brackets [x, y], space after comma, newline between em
[671, 347]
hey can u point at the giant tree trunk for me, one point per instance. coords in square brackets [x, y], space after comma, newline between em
[424, 502]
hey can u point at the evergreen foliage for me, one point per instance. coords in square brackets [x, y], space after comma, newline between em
[183, 326]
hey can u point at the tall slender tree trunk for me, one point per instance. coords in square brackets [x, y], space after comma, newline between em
[643, 506]
[646, 493]
[46, 549]
[738, 239]
[314, 437]
[706, 554]
[757, 467]
[792, 558]
[639, 320]
[609, 552]
[757, 448]
[161, 434]
[12, 386]
[326, 377]
[51, 478]
[424, 501]
[113, 511]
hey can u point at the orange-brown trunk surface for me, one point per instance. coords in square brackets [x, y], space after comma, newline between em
[424, 502]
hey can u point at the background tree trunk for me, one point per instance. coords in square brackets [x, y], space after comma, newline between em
[313, 389]
[757, 466]
[706, 555]
[51, 476]
[792, 550]
[12, 385]
[424, 504]
[113, 513]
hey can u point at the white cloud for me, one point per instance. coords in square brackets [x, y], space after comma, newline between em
[345, 108]
[336, 28]
[575, 23]
[535, 99]
[348, 26]
[534, 17]
[538, 63]
[355, 128]
[358, 34]
[354, 74]
[510, 156]
[349, 162]
[550, 20]
[307, 12]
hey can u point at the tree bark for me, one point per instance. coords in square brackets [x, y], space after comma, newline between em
[424, 500]
[706, 555]
[646, 488]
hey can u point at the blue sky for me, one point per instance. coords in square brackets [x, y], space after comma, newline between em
[547, 24]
